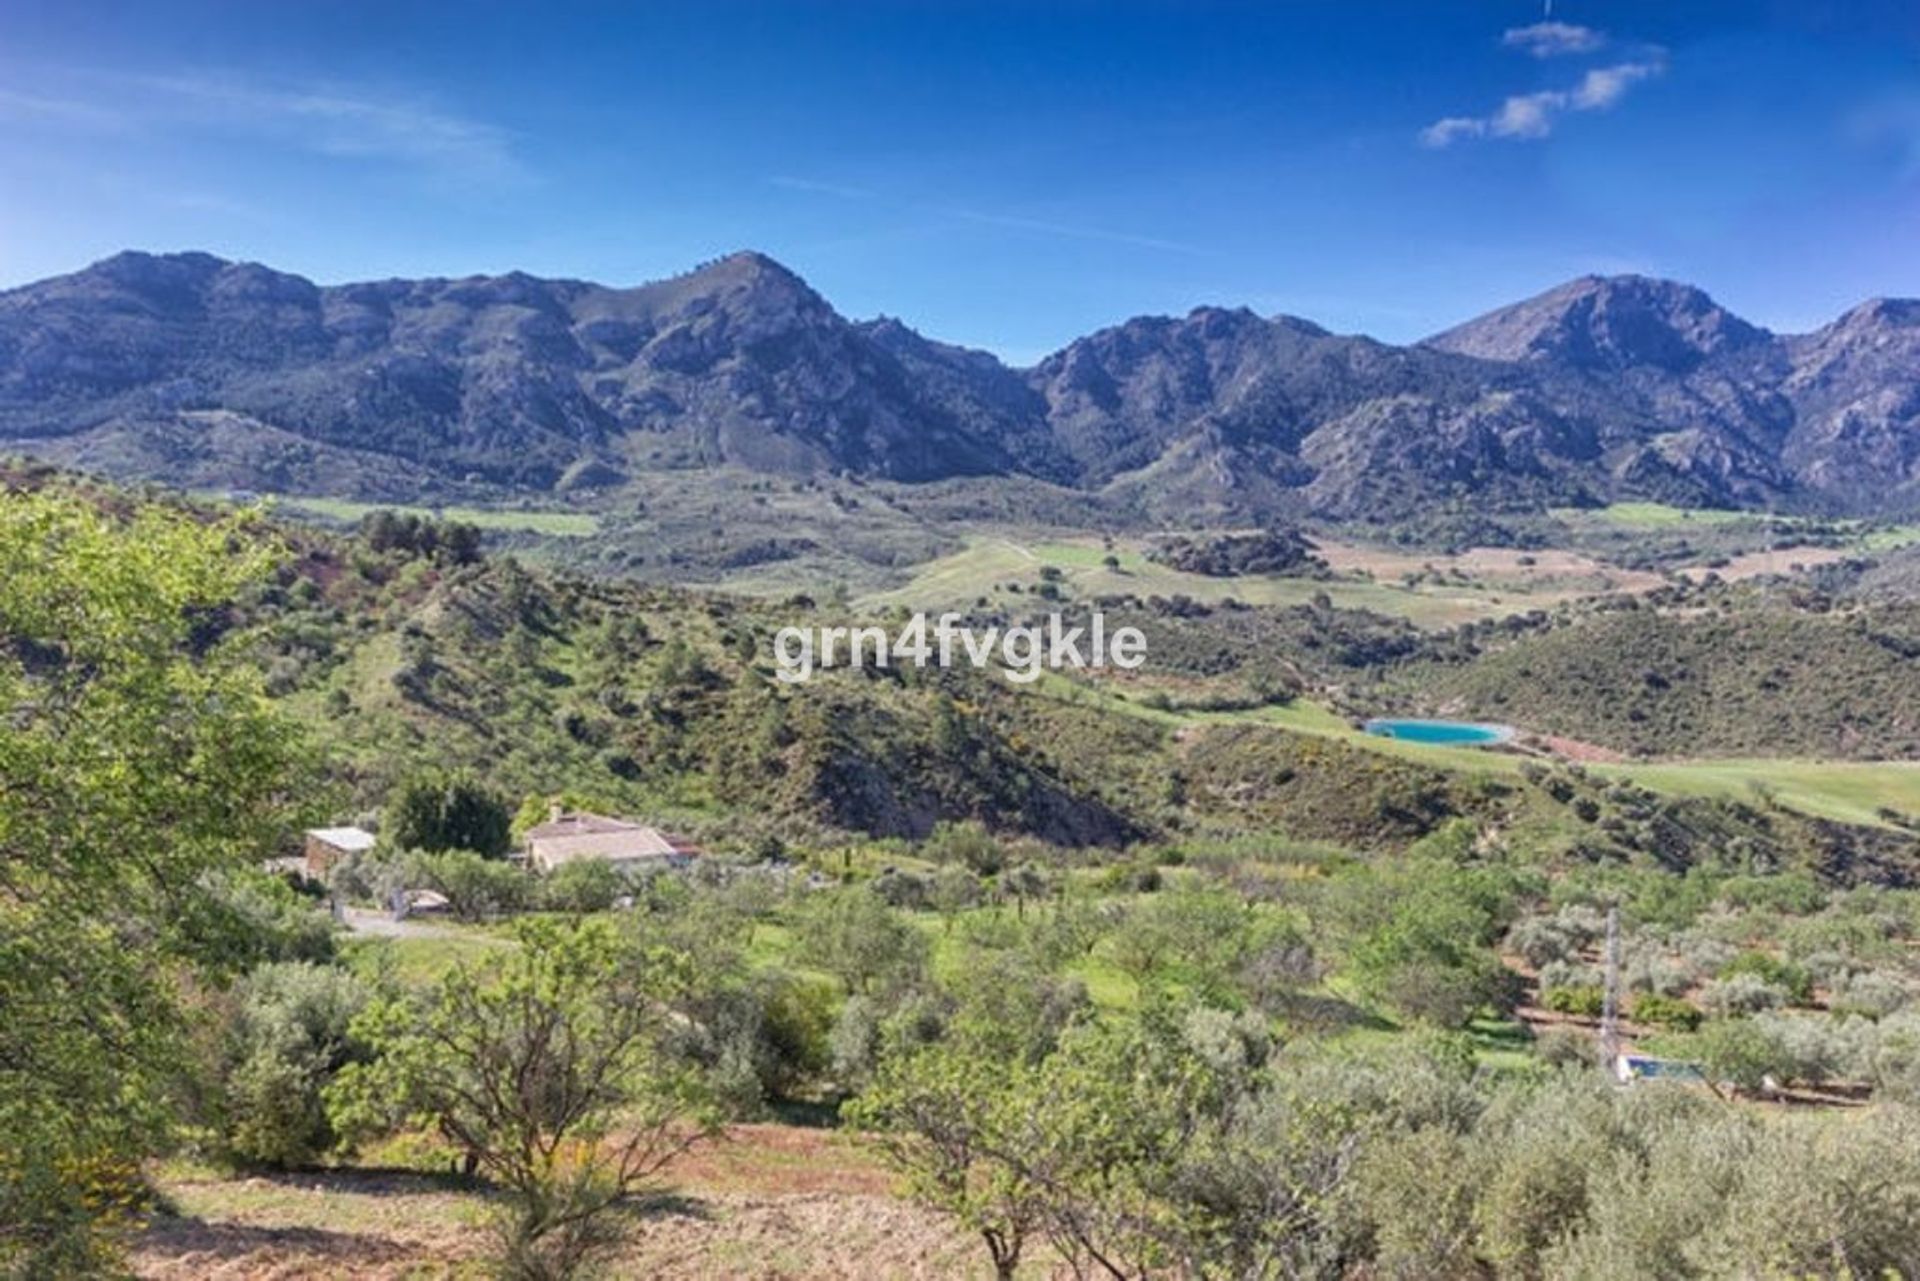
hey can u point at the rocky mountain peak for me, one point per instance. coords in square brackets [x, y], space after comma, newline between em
[1607, 323]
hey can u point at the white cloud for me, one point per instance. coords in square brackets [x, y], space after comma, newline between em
[1604, 86]
[1533, 115]
[1554, 39]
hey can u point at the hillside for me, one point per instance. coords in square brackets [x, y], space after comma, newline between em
[1724, 676]
[206, 373]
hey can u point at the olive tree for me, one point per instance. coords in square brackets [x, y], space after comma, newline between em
[542, 1063]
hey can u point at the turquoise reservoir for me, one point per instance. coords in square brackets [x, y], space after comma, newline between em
[1454, 733]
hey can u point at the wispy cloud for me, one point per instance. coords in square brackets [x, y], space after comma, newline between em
[1554, 39]
[1011, 222]
[1070, 231]
[1533, 115]
[15, 105]
[820, 188]
[345, 122]
[334, 119]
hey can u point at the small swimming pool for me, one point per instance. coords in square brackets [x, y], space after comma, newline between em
[1451, 733]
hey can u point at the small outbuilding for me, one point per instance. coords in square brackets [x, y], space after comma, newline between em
[326, 846]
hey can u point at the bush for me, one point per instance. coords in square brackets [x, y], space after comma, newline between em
[585, 885]
[1741, 994]
[968, 844]
[1871, 994]
[1665, 1011]
[289, 1035]
[1564, 1047]
[908, 890]
[1785, 975]
[1585, 1002]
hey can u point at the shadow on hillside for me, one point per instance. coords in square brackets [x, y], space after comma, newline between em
[1318, 1013]
[207, 1243]
[667, 1205]
[370, 1180]
[388, 1181]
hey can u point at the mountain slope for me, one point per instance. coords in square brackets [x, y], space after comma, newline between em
[193, 370]
[1597, 322]
[506, 380]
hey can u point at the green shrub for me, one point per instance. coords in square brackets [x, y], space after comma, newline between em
[1585, 1002]
[585, 885]
[1665, 1011]
[1788, 977]
[289, 1035]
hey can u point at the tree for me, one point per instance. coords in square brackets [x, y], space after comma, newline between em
[1425, 931]
[1023, 882]
[476, 888]
[544, 1066]
[954, 890]
[969, 844]
[861, 941]
[584, 885]
[1737, 1051]
[138, 763]
[952, 1121]
[437, 811]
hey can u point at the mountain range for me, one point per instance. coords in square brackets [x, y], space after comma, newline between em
[193, 370]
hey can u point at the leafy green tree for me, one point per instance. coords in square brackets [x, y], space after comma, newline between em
[1023, 883]
[955, 1123]
[1423, 937]
[138, 763]
[861, 941]
[437, 811]
[1738, 1051]
[543, 1064]
[476, 888]
[584, 885]
[969, 844]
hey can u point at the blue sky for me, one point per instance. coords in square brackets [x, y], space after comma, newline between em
[1008, 175]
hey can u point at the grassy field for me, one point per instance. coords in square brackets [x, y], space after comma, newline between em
[1660, 518]
[1651, 516]
[554, 524]
[987, 565]
[1848, 791]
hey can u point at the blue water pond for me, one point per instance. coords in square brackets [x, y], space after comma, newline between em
[1453, 733]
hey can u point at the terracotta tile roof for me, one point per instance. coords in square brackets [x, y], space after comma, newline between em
[577, 836]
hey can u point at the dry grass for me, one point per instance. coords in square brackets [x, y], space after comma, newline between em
[764, 1201]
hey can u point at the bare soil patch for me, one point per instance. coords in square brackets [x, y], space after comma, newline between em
[768, 1201]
